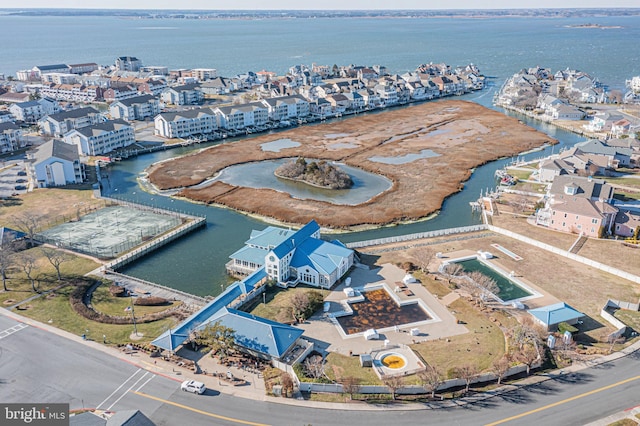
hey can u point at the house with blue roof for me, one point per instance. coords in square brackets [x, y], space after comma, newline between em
[552, 315]
[292, 257]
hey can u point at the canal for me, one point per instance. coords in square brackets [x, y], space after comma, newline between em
[195, 263]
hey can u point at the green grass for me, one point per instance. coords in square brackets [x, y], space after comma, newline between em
[630, 182]
[103, 301]
[343, 366]
[277, 299]
[56, 310]
[626, 195]
[483, 344]
[520, 174]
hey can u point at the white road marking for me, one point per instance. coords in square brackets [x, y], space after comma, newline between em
[9, 331]
[119, 387]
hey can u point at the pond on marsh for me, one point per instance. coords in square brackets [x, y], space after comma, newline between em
[260, 175]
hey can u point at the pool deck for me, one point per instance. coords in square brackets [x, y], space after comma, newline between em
[323, 332]
[536, 302]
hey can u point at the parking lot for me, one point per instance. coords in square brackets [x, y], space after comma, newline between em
[13, 178]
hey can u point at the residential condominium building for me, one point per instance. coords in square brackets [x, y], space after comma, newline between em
[63, 122]
[56, 163]
[183, 124]
[32, 111]
[136, 108]
[187, 94]
[83, 68]
[287, 107]
[243, 115]
[128, 63]
[204, 73]
[10, 137]
[101, 138]
[72, 92]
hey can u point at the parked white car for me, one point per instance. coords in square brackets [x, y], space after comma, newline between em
[193, 386]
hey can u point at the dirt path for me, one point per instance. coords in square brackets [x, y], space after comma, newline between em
[457, 135]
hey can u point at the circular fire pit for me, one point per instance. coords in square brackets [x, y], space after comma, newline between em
[393, 361]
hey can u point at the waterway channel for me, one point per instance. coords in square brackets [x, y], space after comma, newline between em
[195, 263]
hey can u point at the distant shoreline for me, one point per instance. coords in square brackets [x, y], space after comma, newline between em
[319, 14]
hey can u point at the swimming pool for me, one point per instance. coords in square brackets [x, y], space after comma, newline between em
[510, 289]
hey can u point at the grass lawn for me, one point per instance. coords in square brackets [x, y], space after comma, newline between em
[629, 182]
[51, 205]
[437, 288]
[56, 310]
[624, 422]
[343, 366]
[103, 301]
[20, 287]
[484, 343]
[630, 318]
[520, 174]
[623, 195]
[277, 299]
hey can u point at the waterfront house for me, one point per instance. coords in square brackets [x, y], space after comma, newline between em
[445, 85]
[564, 112]
[321, 108]
[186, 94]
[292, 257]
[102, 138]
[550, 168]
[287, 107]
[616, 156]
[551, 315]
[602, 122]
[63, 122]
[55, 163]
[578, 205]
[184, 124]
[203, 74]
[370, 98]
[355, 100]
[136, 108]
[339, 103]
[388, 94]
[242, 116]
[10, 137]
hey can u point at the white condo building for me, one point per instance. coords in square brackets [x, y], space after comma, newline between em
[101, 138]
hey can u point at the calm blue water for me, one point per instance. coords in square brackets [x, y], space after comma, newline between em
[500, 47]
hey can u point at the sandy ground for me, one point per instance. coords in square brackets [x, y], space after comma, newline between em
[462, 134]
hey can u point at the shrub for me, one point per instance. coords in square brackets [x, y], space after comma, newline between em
[151, 301]
[117, 291]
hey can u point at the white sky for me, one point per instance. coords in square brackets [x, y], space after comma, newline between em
[324, 4]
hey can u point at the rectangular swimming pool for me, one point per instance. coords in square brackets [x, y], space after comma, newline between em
[509, 289]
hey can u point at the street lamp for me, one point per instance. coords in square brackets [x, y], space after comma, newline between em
[133, 316]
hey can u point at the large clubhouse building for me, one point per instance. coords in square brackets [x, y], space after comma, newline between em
[292, 257]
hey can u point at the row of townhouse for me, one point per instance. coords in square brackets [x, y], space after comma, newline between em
[205, 121]
[63, 122]
[584, 205]
[135, 108]
[72, 92]
[101, 138]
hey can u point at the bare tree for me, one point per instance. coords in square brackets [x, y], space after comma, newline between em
[528, 355]
[393, 383]
[314, 366]
[350, 385]
[29, 224]
[467, 373]
[7, 251]
[481, 286]
[27, 263]
[287, 383]
[528, 332]
[423, 256]
[613, 339]
[430, 379]
[56, 258]
[452, 270]
[299, 303]
[500, 367]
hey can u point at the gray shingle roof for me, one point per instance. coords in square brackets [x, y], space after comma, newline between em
[142, 99]
[74, 113]
[107, 126]
[57, 149]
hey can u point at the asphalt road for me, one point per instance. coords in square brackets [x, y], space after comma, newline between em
[39, 366]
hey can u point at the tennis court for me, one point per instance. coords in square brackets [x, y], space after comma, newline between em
[110, 231]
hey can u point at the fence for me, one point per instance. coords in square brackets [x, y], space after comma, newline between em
[417, 236]
[197, 222]
[577, 258]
